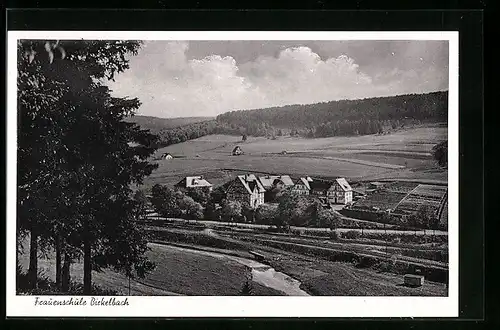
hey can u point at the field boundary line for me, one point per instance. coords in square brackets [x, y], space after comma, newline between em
[442, 204]
[408, 194]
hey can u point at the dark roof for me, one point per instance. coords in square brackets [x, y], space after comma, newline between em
[250, 182]
[320, 185]
[236, 148]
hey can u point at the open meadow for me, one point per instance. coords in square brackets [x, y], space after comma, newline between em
[400, 155]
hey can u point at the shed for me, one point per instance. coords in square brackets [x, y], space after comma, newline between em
[237, 151]
[413, 280]
[166, 156]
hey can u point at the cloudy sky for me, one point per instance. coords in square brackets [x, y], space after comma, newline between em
[207, 78]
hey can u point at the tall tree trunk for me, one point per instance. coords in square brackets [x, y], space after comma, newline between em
[58, 260]
[65, 273]
[87, 260]
[33, 267]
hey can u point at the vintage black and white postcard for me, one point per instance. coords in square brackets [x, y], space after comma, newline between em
[238, 174]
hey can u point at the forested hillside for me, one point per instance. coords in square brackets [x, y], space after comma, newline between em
[341, 117]
[155, 124]
[335, 118]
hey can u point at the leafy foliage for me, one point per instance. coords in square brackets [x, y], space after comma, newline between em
[291, 211]
[76, 161]
[231, 210]
[172, 203]
[266, 214]
[440, 153]
[425, 217]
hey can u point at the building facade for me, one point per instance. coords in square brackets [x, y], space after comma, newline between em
[337, 191]
[247, 190]
[301, 187]
[166, 156]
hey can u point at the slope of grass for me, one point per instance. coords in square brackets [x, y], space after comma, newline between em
[403, 155]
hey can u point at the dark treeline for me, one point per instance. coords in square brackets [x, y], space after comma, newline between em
[335, 118]
[193, 131]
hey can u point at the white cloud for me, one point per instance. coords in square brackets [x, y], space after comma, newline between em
[170, 85]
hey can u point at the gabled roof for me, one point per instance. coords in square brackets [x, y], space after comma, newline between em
[286, 180]
[236, 148]
[344, 184]
[250, 182]
[269, 181]
[323, 185]
[305, 182]
[194, 182]
[320, 185]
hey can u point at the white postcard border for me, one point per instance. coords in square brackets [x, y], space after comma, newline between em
[237, 306]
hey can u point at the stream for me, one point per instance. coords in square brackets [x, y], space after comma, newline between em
[261, 273]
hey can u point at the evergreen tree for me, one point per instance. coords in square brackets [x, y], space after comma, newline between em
[77, 164]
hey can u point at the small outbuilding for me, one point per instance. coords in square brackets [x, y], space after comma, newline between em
[166, 156]
[413, 280]
[237, 151]
[194, 182]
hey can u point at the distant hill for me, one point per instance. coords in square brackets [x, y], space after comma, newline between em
[155, 124]
[336, 118]
[344, 117]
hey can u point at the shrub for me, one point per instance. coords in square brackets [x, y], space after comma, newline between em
[334, 235]
[352, 234]
[196, 238]
[385, 266]
[45, 286]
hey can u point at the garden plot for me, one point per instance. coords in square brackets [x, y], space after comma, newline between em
[423, 194]
[401, 187]
[430, 191]
[383, 200]
[412, 203]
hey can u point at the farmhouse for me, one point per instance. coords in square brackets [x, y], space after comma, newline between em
[237, 151]
[166, 156]
[274, 184]
[194, 182]
[247, 190]
[301, 187]
[333, 192]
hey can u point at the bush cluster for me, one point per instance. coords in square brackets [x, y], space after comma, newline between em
[45, 286]
[351, 234]
[195, 238]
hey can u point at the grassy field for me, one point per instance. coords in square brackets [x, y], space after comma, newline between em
[404, 154]
[321, 278]
[177, 273]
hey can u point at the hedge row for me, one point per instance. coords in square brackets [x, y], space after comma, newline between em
[434, 274]
[195, 238]
[173, 224]
[437, 255]
[405, 238]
